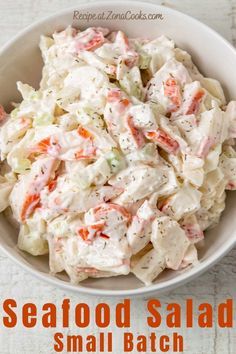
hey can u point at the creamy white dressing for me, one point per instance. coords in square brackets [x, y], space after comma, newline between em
[120, 161]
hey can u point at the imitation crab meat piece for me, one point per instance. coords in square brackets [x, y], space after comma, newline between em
[116, 111]
[11, 131]
[94, 60]
[192, 228]
[205, 146]
[129, 54]
[139, 231]
[25, 196]
[195, 102]
[190, 257]
[88, 233]
[162, 139]
[117, 96]
[163, 86]
[101, 241]
[131, 180]
[136, 134]
[101, 211]
[90, 39]
[169, 239]
[186, 200]
[173, 91]
[149, 266]
[67, 196]
[52, 185]
[30, 203]
[49, 146]
[82, 154]
[84, 133]
[72, 145]
[192, 98]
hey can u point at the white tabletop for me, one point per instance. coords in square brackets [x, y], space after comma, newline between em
[216, 285]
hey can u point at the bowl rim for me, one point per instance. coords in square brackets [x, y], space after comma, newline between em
[192, 272]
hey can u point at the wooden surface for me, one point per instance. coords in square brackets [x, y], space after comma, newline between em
[216, 285]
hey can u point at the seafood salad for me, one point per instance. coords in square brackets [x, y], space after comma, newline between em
[119, 162]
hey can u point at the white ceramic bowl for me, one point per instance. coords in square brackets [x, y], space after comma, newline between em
[20, 60]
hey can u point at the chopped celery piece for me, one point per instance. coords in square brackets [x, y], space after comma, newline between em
[144, 61]
[44, 119]
[115, 160]
[14, 113]
[21, 165]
